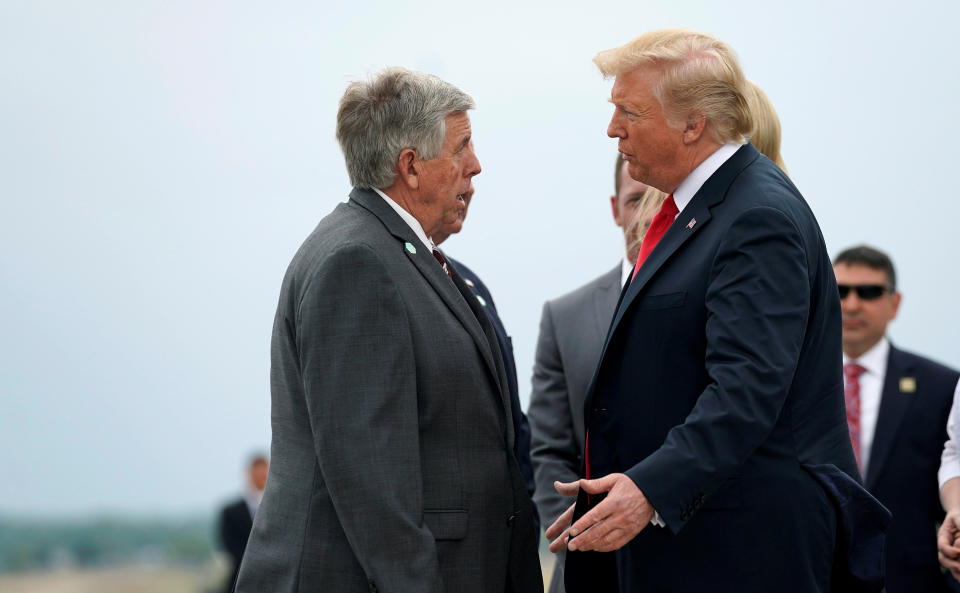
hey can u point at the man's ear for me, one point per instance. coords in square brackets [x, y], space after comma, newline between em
[695, 127]
[408, 168]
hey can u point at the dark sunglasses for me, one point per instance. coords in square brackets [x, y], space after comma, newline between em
[866, 292]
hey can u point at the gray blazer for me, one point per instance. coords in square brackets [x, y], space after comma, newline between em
[572, 330]
[392, 465]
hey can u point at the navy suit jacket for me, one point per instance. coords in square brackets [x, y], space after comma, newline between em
[902, 471]
[520, 424]
[235, 525]
[720, 394]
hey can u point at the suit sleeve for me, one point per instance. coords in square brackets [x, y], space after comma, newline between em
[358, 368]
[757, 304]
[554, 449]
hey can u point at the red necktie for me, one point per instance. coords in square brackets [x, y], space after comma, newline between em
[443, 262]
[851, 395]
[658, 228]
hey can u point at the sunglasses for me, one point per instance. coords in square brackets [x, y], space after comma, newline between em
[865, 292]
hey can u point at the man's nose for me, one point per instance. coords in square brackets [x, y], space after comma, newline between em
[614, 129]
[850, 302]
[473, 166]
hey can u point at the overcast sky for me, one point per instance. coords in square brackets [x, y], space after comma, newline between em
[160, 162]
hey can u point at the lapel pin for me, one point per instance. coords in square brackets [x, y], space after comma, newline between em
[410, 247]
[480, 298]
[468, 282]
[692, 222]
[908, 385]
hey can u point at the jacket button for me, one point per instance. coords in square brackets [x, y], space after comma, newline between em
[373, 586]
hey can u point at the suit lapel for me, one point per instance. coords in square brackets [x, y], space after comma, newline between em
[604, 301]
[459, 303]
[893, 408]
[497, 370]
[693, 218]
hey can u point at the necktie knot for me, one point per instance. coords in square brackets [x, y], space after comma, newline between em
[852, 371]
[658, 228]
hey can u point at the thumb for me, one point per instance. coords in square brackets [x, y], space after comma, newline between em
[567, 488]
[604, 484]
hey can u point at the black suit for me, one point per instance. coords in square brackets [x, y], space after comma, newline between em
[520, 424]
[235, 525]
[720, 380]
[902, 470]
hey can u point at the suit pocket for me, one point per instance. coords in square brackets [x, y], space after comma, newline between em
[663, 301]
[446, 524]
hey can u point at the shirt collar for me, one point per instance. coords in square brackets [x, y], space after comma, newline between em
[408, 218]
[874, 359]
[695, 180]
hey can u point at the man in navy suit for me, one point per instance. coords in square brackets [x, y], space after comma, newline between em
[236, 518]
[716, 452]
[897, 409]
[520, 424]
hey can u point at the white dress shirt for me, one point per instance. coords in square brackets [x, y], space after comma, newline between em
[253, 497]
[874, 361]
[408, 218]
[950, 462]
[626, 271]
[695, 180]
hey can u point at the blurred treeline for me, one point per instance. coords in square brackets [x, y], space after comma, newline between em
[41, 545]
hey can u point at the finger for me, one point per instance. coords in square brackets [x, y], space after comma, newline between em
[561, 524]
[948, 550]
[560, 543]
[591, 517]
[949, 564]
[588, 538]
[614, 540]
[604, 484]
[567, 488]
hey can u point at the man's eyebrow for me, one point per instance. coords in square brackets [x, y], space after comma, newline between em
[465, 141]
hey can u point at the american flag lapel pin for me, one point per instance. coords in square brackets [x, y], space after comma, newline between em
[692, 222]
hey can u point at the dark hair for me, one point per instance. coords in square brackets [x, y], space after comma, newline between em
[864, 255]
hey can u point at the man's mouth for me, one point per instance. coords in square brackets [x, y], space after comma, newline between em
[461, 200]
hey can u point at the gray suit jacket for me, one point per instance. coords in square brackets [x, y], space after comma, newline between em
[392, 464]
[572, 331]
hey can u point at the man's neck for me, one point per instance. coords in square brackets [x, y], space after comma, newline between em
[698, 153]
[403, 197]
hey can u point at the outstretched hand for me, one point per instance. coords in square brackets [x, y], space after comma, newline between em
[609, 525]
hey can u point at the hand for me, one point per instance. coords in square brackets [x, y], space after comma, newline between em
[947, 551]
[560, 527]
[609, 525]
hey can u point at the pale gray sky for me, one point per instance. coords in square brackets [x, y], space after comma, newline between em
[160, 162]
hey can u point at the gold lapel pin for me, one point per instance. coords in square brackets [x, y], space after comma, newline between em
[908, 385]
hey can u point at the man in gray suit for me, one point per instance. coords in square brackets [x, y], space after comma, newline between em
[392, 464]
[572, 330]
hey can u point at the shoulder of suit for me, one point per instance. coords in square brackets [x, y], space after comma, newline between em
[235, 505]
[576, 297]
[924, 365]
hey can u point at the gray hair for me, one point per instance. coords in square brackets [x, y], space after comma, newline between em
[396, 109]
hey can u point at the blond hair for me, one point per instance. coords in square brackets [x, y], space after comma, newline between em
[650, 203]
[698, 74]
[766, 136]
